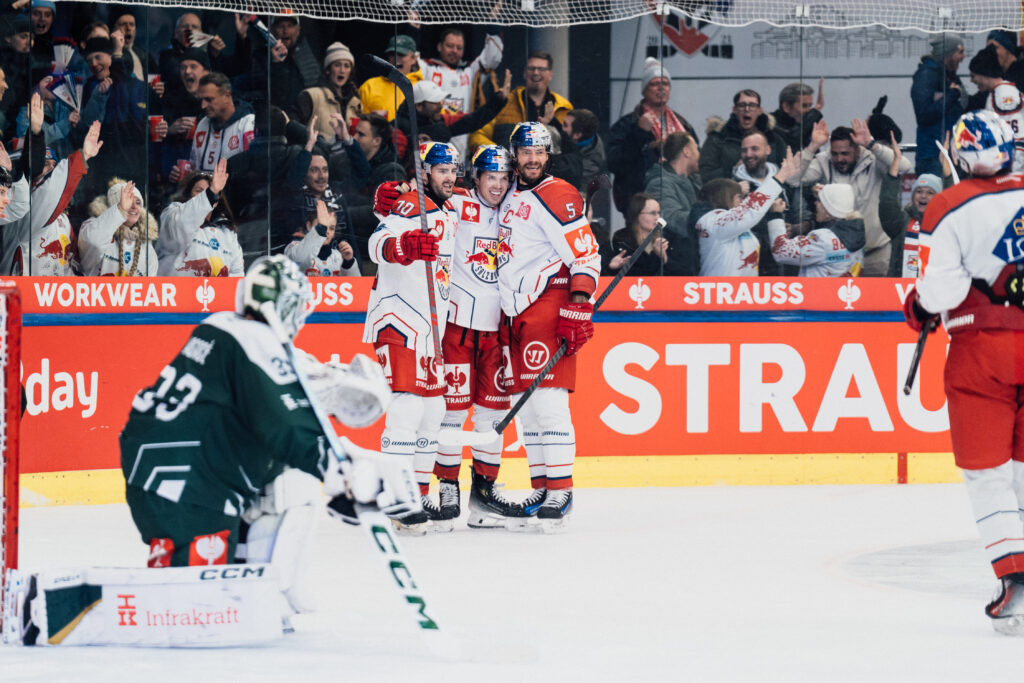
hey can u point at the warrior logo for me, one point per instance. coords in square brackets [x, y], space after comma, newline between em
[536, 355]
[483, 262]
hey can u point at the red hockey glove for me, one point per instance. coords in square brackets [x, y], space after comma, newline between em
[915, 314]
[385, 195]
[575, 325]
[415, 245]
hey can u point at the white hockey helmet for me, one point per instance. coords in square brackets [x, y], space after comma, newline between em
[1005, 98]
[982, 143]
[276, 279]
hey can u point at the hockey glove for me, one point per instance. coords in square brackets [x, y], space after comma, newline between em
[385, 195]
[917, 317]
[415, 245]
[575, 325]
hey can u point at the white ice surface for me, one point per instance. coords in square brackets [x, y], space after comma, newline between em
[825, 583]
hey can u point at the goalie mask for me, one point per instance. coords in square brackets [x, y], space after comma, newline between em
[278, 280]
[982, 144]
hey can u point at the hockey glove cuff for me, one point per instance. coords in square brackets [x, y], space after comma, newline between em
[575, 325]
[917, 317]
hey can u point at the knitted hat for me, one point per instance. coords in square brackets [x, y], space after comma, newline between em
[336, 51]
[945, 44]
[986, 63]
[837, 198]
[653, 69]
[114, 193]
[195, 54]
[1007, 39]
[21, 24]
[45, 4]
[98, 44]
[927, 180]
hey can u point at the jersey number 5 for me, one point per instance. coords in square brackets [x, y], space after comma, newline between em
[169, 405]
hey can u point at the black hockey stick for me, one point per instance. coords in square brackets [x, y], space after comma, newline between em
[456, 437]
[916, 360]
[378, 67]
[371, 519]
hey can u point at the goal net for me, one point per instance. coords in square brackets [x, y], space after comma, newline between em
[10, 413]
[925, 15]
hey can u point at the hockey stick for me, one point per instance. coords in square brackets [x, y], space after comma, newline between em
[456, 437]
[371, 519]
[379, 67]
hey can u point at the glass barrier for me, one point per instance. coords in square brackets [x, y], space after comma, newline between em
[146, 141]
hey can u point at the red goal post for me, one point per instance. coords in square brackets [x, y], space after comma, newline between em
[10, 413]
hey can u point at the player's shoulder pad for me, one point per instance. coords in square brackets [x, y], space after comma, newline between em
[408, 205]
[562, 200]
[965, 192]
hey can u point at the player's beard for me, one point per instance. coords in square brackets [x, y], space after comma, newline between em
[529, 180]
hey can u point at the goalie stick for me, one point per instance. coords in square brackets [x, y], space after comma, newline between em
[371, 519]
[456, 437]
[378, 67]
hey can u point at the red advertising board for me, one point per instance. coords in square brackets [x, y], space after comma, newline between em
[678, 366]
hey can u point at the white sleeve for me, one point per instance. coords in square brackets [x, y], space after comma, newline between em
[46, 197]
[735, 222]
[94, 236]
[305, 250]
[19, 205]
[490, 56]
[179, 222]
[944, 281]
[803, 250]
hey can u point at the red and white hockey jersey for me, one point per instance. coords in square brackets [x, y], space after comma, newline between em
[727, 247]
[1006, 101]
[42, 242]
[540, 231]
[210, 145]
[398, 300]
[475, 303]
[971, 230]
[187, 247]
[819, 253]
[304, 249]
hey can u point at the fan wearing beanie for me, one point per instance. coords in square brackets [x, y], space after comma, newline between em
[986, 73]
[835, 248]
[939, 98]
[1007, 50]
[334, 96]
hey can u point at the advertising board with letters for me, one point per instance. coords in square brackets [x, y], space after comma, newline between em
[679, 366]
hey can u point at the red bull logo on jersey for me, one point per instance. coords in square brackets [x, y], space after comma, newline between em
[57, 249]
[212, 266]
[483, 261]
[442, 276]
[749, 261]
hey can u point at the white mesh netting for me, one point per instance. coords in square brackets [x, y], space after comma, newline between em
[926, 15]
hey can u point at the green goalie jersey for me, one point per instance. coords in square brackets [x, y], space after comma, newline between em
[223, 419]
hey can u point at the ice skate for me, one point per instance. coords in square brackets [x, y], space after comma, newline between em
[488, 509]
[554, 513]
[533, 501]
[449, 495]
[420, 523]
[1007, 607]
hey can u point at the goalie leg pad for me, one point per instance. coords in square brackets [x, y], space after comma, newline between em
[285, 541]
[487, 457]
[449, 456]
[997, 514]
[222, 606]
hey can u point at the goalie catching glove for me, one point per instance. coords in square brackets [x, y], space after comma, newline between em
[575, 325]
[357, 393]
[370, 478]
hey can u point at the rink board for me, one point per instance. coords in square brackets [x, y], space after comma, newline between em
[784, 381]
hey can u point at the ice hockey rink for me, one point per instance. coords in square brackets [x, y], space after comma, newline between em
[780, 583]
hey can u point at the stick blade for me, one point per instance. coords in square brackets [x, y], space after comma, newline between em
[457, 437]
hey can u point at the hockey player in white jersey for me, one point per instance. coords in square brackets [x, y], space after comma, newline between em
[1008, 103]
[399, 323]
[545, 286]
[972, 273]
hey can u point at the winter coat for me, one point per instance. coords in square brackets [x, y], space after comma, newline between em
[935, 111]
[833, 249]
[315, 258]
[789, 129]
[677, 195]
[189, 246]
[721, 151]
[897, 221]
[322, 101]
[631, 152]
[499, 130]
[106, 246]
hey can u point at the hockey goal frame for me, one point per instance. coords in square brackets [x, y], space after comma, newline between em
[10, 408]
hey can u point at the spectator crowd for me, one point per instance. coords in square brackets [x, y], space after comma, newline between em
[254, 136]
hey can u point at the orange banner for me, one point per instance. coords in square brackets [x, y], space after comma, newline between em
[678, 366]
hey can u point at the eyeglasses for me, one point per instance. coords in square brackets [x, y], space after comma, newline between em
[747, 105]
[530, 69]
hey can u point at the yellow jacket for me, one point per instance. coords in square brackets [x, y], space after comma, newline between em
[378, 94]
[498, 130]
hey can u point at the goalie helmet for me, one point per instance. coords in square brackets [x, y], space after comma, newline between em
[278, 280]
[492, 158]
[432, 153]
[983, 143]
[530, 134]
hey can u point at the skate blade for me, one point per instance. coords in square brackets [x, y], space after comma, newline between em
[409, 529]
[441, 526]
[1010, 626]
[554, 526]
